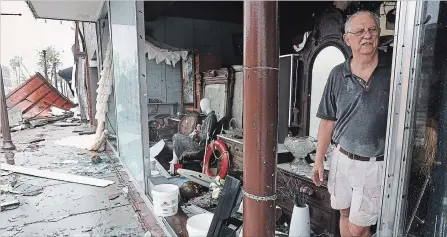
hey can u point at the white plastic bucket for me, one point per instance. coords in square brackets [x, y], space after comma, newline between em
[166, 211]
[165, 199]
[198, 225]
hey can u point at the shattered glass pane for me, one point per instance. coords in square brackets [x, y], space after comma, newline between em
[127, 86]
[426, 208]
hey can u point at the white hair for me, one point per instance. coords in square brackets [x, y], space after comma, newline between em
[370, 14]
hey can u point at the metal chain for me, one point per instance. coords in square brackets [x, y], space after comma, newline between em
[258, 198]
[254, 68]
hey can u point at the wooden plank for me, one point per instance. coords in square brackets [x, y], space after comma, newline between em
[57, 176]
[5, 205]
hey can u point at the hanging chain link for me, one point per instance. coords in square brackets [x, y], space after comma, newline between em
[258, 198]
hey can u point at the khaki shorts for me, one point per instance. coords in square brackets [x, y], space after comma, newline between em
[356, 185]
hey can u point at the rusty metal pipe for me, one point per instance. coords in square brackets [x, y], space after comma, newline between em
[260, 116]
[7, 142]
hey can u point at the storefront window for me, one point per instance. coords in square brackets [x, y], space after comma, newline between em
[129, 117]
[426, 197]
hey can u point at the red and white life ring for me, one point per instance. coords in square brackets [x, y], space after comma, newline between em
[224, 157]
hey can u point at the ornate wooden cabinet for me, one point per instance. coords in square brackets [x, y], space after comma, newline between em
[218, 86]
[192, 68]
[324, 42]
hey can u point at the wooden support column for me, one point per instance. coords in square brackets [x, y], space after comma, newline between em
[260, 116]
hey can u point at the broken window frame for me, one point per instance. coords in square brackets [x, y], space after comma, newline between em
[78, 50]
[401, 107]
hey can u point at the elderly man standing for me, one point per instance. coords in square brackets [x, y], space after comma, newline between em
[353, 113]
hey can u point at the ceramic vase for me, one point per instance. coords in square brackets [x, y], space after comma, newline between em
[300, 223]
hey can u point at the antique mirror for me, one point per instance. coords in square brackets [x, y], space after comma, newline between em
[324, 62]
[217, 86]
[188, 81]
[323, 50]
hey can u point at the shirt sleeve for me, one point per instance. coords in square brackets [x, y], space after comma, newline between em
[328, 108]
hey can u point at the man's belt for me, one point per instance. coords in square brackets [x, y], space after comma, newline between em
[360, 158]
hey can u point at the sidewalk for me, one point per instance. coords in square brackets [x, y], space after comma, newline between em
[56, 208]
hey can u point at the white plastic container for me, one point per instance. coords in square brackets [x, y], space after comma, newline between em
[300, 223]
[166, 211]
[165, 199]
[198, 225]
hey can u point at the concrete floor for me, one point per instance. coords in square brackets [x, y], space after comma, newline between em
[57, 208]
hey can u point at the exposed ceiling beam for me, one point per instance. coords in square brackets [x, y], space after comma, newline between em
[212, 10]
[153, 9]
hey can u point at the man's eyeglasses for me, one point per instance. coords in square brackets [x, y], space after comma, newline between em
[373, 31]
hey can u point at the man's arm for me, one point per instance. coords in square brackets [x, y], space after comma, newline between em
[324, 139]
[327, 112]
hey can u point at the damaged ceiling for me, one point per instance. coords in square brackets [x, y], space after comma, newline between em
[66, 10]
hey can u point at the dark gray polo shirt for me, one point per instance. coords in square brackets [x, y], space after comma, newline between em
[359, 108]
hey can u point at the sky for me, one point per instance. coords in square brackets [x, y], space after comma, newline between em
[25, 36]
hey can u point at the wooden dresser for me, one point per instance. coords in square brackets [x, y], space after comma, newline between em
[236, 150]
[323, 218]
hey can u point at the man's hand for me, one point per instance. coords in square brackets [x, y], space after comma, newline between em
[318, 172]
[324, 139]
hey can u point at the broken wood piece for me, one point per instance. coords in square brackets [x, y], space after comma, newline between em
[57, 176]
[5, 205]
[61, 124]
[96, 159]
[5, 188]
[33, 193]
[5, 173]
[18, 128]
[38, 122]
[87, 132]
[15, 192]
[37, 140]
[44, 121]
[114, 196]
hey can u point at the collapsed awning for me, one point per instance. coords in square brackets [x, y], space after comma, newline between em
[66, 10]
[35, 97]
[66, 74]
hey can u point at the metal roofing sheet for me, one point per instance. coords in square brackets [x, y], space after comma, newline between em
[35, 98]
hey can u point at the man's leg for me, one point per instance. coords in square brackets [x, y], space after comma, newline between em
[344, 223]
[347, 229]
[366, 182]
[359, 231]
[340, 190]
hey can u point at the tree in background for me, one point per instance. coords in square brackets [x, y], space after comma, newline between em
[49, 61]
[16, 64]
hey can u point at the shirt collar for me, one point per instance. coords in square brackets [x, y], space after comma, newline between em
[383, 62]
